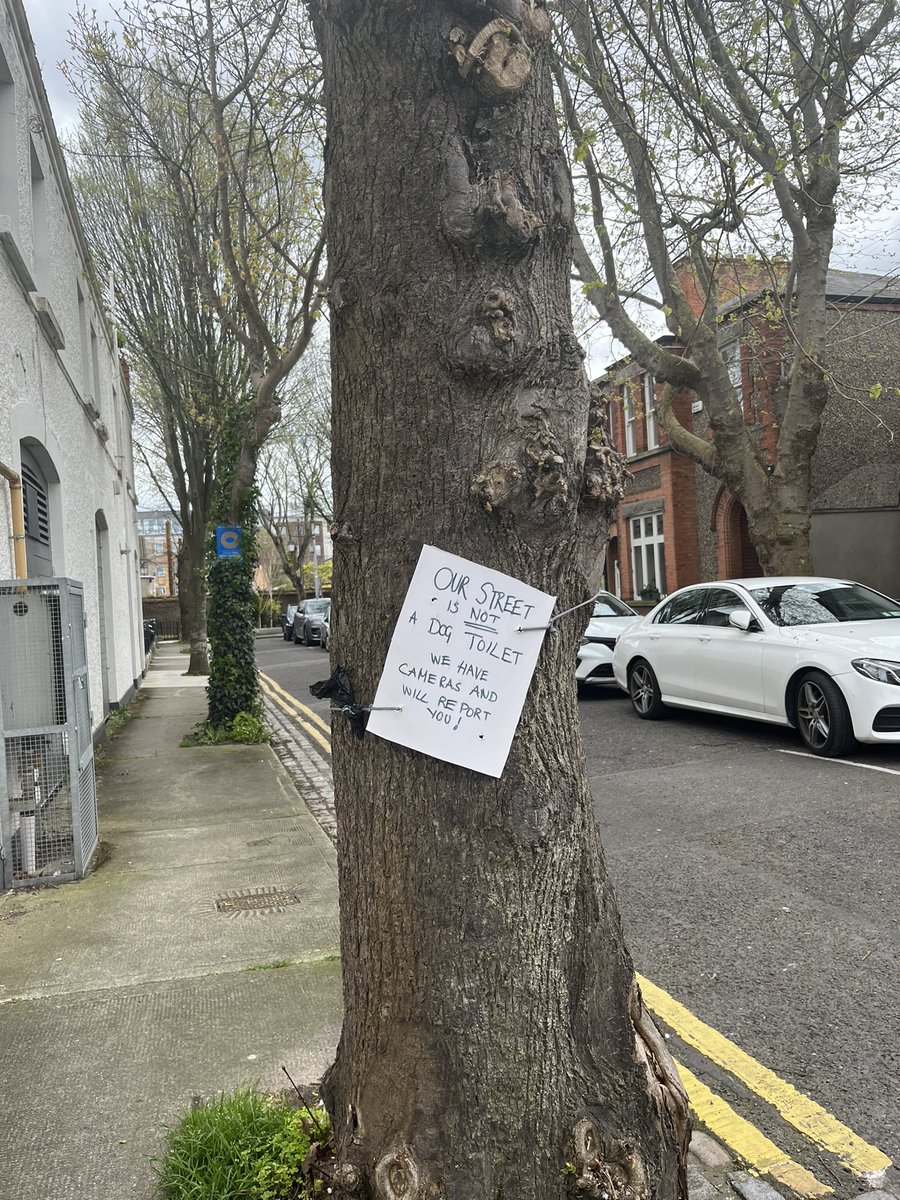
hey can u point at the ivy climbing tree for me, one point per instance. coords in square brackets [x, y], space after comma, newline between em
[233, 679]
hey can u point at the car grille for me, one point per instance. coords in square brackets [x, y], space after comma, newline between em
[887, 721]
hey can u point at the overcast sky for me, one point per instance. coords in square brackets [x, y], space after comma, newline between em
[50, 21]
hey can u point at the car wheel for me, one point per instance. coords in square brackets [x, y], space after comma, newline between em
[823, 718]
[646, 699]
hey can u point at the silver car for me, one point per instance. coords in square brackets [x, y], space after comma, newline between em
[309, 620]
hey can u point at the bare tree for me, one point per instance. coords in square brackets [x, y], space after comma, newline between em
[701, 128]
[222, 98]
[294, 469]
[493, 1030]
[187, 367]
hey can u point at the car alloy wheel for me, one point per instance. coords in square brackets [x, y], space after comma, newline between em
[644, 692]
[823, 718]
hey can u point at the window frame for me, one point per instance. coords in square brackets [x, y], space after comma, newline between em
[630, 418]
[650, 417]
[648, 547]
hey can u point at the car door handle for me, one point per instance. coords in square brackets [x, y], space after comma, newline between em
[654, 637]
[704, 637]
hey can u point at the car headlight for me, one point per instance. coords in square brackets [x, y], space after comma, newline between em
[880, 669]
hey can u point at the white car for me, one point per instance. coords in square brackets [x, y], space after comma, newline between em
[610, 618]
[821, 655]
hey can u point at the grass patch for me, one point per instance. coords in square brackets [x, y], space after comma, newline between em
[272, 966]
[116, 721]
[244, 729]
[243, 1145]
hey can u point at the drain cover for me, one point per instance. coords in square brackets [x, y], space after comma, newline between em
[255, 900]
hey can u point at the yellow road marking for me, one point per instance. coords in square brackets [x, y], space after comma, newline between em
[292, 700]
[291, 712]
[746, 1140]
[798, 1110]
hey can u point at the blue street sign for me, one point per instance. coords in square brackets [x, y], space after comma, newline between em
[228, 541]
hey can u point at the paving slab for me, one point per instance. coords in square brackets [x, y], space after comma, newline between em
[155, 978]
[91, 1080]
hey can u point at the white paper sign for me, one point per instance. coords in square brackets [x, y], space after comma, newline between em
[458, 666]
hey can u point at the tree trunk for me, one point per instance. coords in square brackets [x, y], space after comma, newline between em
[193, 590]
[493, 1030]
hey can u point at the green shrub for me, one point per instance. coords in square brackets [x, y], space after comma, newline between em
[245, 728]
[243, 1145]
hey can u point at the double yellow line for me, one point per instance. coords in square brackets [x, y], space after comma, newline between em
[762, 1155]
[807, 1117]
[309, 721]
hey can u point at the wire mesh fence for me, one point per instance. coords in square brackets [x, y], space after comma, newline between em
[48, 797]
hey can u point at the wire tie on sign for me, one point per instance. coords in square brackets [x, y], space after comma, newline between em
[551, 624]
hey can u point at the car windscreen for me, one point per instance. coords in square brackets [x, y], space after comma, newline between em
[609, 606]
[317, 606]
[823, 603]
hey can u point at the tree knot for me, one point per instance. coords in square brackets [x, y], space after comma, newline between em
[548, 477]
[497, 59]
[503, 204]
[397, 1176]
[495, 483]
[607, 1172]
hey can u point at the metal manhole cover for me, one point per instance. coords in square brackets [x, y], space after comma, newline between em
[255, 900]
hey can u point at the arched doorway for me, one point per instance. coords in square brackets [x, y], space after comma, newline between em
[736, 553]
[37, 478]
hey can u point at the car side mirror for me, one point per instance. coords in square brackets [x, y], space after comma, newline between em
[741, 618]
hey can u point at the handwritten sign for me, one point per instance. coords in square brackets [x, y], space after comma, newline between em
[459, 663]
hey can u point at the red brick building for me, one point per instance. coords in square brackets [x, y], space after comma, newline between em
[676, 525]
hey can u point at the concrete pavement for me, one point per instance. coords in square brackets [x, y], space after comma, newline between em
[153, 980]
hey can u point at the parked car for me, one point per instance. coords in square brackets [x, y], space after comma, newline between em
[308, 621]
[325, 639]
[288, 622]
[610, 617]
[821, 655]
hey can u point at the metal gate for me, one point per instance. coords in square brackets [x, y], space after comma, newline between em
[48, 794]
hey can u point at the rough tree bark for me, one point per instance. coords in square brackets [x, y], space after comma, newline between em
[192, 585]
[493, 1028]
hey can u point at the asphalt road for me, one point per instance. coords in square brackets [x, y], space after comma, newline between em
[758, 886]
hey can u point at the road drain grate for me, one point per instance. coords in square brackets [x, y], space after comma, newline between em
[255, 900]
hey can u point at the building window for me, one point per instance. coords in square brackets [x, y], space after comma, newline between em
[628, 410]
[86, 383]
[40, 224]
[9, 175]
[95, 367]
[650, 412]
[648, 556]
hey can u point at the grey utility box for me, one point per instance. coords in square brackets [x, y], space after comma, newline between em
[48, 792]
